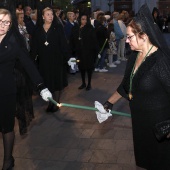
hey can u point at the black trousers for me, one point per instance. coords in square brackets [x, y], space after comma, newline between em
[89, 76]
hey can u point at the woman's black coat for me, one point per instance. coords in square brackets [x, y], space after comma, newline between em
[83, 43]
[52, 58]
[102, 35]
[150, 105]
[10, 50]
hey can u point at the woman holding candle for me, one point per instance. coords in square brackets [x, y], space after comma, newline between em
[146, 84]
[12, 48]
[49, 46]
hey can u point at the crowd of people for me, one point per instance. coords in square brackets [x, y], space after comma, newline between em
[109, 35]
[106, 48]
[96, 42]
[50, 38]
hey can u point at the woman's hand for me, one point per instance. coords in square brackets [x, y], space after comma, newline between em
[45, 94]
[107, 106]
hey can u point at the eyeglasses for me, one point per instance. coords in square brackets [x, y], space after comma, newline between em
[130, 37]
[6, 23]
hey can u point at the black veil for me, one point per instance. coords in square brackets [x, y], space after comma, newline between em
[11, 6]
[40, 6]
[145, 19]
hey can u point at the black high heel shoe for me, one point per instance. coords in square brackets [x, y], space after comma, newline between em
[88, 88]
[82, 86]
[55, 109]
[50, 105]
[52, 108]
[11, 165]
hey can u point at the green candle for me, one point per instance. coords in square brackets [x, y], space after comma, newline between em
[87, 108]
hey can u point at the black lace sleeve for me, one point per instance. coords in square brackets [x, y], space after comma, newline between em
[163, 72]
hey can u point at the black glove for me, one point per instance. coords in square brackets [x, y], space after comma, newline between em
[107, 106]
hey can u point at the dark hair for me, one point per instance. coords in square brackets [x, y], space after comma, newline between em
[137, 29]
[110, 28]
[58, 8]
[76, 11]
[101, 19]
[108, 13]
[155, 10]
[99, 14]
[19, 5]
[88, 19]
[61, 13]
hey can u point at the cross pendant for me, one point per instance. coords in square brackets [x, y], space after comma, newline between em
[46, 43]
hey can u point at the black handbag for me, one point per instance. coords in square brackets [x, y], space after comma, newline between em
[162, 129]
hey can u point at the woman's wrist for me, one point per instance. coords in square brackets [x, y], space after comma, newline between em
[108, 105]
[40, 87]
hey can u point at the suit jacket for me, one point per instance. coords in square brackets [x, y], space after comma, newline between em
[29, 25]
[10, 50]
[67, 28]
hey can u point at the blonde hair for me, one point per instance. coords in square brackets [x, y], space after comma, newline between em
[46, 9]
[18, 14]
[6, 12]
[69, 14]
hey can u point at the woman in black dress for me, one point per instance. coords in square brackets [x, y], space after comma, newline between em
[83, 43]
[12, 49]
[50, 47]
[146, 84]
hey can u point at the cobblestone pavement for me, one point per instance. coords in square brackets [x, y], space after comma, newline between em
[72, 139]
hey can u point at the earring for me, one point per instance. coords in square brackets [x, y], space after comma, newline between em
[144, 40]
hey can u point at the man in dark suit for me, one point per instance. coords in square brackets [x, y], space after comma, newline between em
[69, 25]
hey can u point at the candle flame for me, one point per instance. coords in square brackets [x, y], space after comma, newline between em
[59, 104]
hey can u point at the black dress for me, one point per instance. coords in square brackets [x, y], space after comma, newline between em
[150, 105]
[52, 57]
[24, 104]
[83, 43]
[10, 51]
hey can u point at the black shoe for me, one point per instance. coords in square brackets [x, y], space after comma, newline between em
[88, 88]
[11, 165]
[54, 109]
[50, 107]
[82, 86]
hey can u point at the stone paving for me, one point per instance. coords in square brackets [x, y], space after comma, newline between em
[72, 139]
